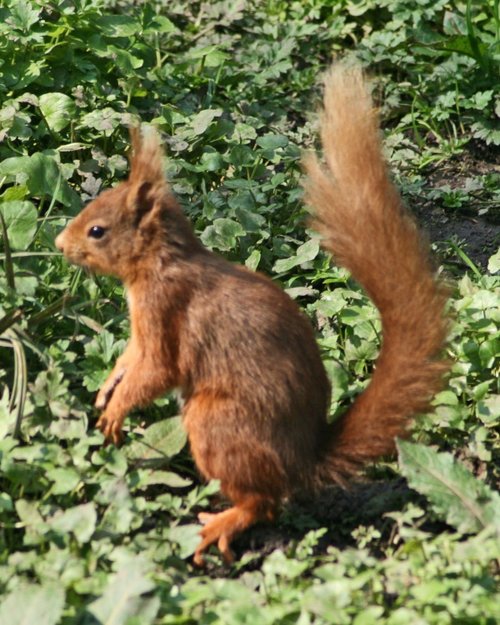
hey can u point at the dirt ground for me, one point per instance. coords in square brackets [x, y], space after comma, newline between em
[478, 235]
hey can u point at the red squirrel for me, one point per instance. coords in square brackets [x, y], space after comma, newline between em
[244, 357]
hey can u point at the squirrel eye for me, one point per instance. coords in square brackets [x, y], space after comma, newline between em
[96, 232]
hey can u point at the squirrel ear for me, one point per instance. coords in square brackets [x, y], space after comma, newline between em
[142, 200]
[146, 163]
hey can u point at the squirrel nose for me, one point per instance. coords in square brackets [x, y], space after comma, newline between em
[60, 241]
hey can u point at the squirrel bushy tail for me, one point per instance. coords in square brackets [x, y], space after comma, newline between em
[358, 211]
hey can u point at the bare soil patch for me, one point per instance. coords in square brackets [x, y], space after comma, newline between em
[479, 234]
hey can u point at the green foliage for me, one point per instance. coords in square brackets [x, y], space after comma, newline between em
[91, 534]
[31, 603]
[465, 502]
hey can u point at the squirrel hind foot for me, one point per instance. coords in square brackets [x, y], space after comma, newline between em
[221, 528]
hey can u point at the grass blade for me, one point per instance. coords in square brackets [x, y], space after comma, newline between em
[48, 311]
[9, 268]
[20, 381]
[9, 319]
[481, 60]
[463, 256]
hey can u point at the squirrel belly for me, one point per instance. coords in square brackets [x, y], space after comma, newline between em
[255, 391]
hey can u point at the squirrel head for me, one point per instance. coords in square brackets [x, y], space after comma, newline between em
[125, 230]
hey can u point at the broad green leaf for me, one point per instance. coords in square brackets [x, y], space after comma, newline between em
[69, 426]
[453, 23]
[64, 479]
[481, 390]
[369, 616]
[222, 234]
[29, 603]
[239, 183]
[18, 192]
[211, 161]
[14, 166]
[272, 142]
[21, 221]
[459, 43]
[6, 504]
[252, 262]
[487, 130]
[243, 132]
[447, 398]
[339, 378]
[104, 120]
[301, 291]
[484, 299]
[202, 120]
[124, 60]
[29, 514]
[104, 347]
[489, 351]
[121, 599]
[117, 25]
[162, 478]
[187, 537]
[114, 460]
[58, 110]
[494, 263]
[161, 441]
[162, 24]
[488, 410]
[45, 178]
[278, 564]
[250, 220]
[80, 521]
[242, 156]
[212, 55]
[455, 494]
[23, 16]
[305, 253]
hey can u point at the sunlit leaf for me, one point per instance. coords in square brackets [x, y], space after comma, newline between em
[161, 441]
[122, 598]
[21, 221]
[33, 603]
[79, 521]
[58, 110]
[455, 494]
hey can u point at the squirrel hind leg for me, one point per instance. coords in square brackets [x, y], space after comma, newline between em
[223, 527]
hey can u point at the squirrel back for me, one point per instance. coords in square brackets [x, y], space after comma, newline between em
[358, 210]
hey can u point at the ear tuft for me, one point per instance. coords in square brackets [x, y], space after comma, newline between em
[146, 164]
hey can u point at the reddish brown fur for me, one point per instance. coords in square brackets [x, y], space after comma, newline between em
[359, 212]
[242, 354]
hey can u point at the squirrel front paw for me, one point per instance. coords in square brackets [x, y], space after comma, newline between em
[111, 427]
[106, 392]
